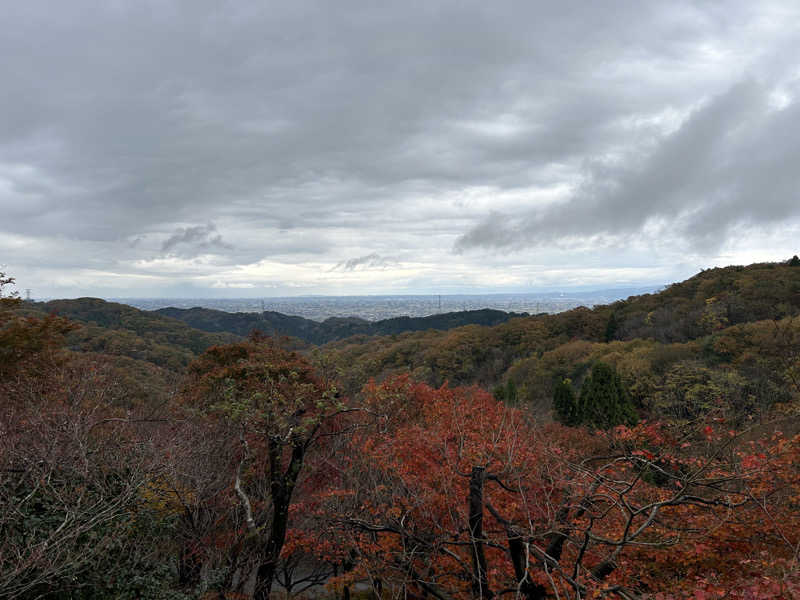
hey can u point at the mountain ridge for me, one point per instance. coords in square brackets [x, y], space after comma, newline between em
[332, 328]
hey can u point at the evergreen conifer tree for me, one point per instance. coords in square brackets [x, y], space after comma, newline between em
[603, 401]
[506, 393]
[511, 393]
[565, 403]
[611, 327]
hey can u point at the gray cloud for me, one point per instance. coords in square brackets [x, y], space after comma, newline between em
[370, 261]
[725, 166]
[195, 240]
[308, 131]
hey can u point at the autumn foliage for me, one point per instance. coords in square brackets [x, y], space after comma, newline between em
[451, 494]
[257, 476]
[271, 410]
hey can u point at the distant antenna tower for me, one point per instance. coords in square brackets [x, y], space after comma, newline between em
[28, 294]
[262, 306]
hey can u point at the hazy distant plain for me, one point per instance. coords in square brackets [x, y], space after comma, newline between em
[375, 308]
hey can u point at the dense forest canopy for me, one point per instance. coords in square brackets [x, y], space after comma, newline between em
[645, 449]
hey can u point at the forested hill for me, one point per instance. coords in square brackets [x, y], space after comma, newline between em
[120, 330]
[334, 328]
[711, 299]
[171, 338]
[724, 331]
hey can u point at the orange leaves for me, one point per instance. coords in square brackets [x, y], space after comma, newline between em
[699, 506]
[30, 345]
[411, 479]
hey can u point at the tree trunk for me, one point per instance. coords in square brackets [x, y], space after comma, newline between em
[282, 489]
[555, 544]
[527, 588]
[377, 589]
[480, 580]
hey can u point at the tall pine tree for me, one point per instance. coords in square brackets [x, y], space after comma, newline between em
[604, 402]
[565, 403]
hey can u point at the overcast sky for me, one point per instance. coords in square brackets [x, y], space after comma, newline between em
[237, 148]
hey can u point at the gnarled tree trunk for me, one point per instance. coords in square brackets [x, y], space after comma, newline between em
[480, 580]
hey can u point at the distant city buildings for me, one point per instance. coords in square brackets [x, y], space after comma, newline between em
[376, 308]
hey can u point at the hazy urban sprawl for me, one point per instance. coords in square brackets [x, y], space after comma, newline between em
[375, 308]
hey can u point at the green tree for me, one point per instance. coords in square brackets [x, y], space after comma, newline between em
[611, 327]
[794, 261]
[506, 393]
[604, 402]
[565, 403]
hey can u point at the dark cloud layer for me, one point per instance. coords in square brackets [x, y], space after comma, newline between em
[161, 144]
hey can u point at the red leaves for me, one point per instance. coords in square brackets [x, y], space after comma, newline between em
[752, 461]
[420, 457]
[644, 453]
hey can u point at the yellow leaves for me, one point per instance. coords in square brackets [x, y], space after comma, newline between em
[713, 317]
[164, 498]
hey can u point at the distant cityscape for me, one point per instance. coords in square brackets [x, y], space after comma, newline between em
[376, 308]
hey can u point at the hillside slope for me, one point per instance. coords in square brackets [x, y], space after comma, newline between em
[719, 330]
[711, 299]
[120, 330]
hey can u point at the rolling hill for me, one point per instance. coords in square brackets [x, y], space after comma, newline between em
[334, 328]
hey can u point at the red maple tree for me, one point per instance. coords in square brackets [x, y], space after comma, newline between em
[449, 493]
